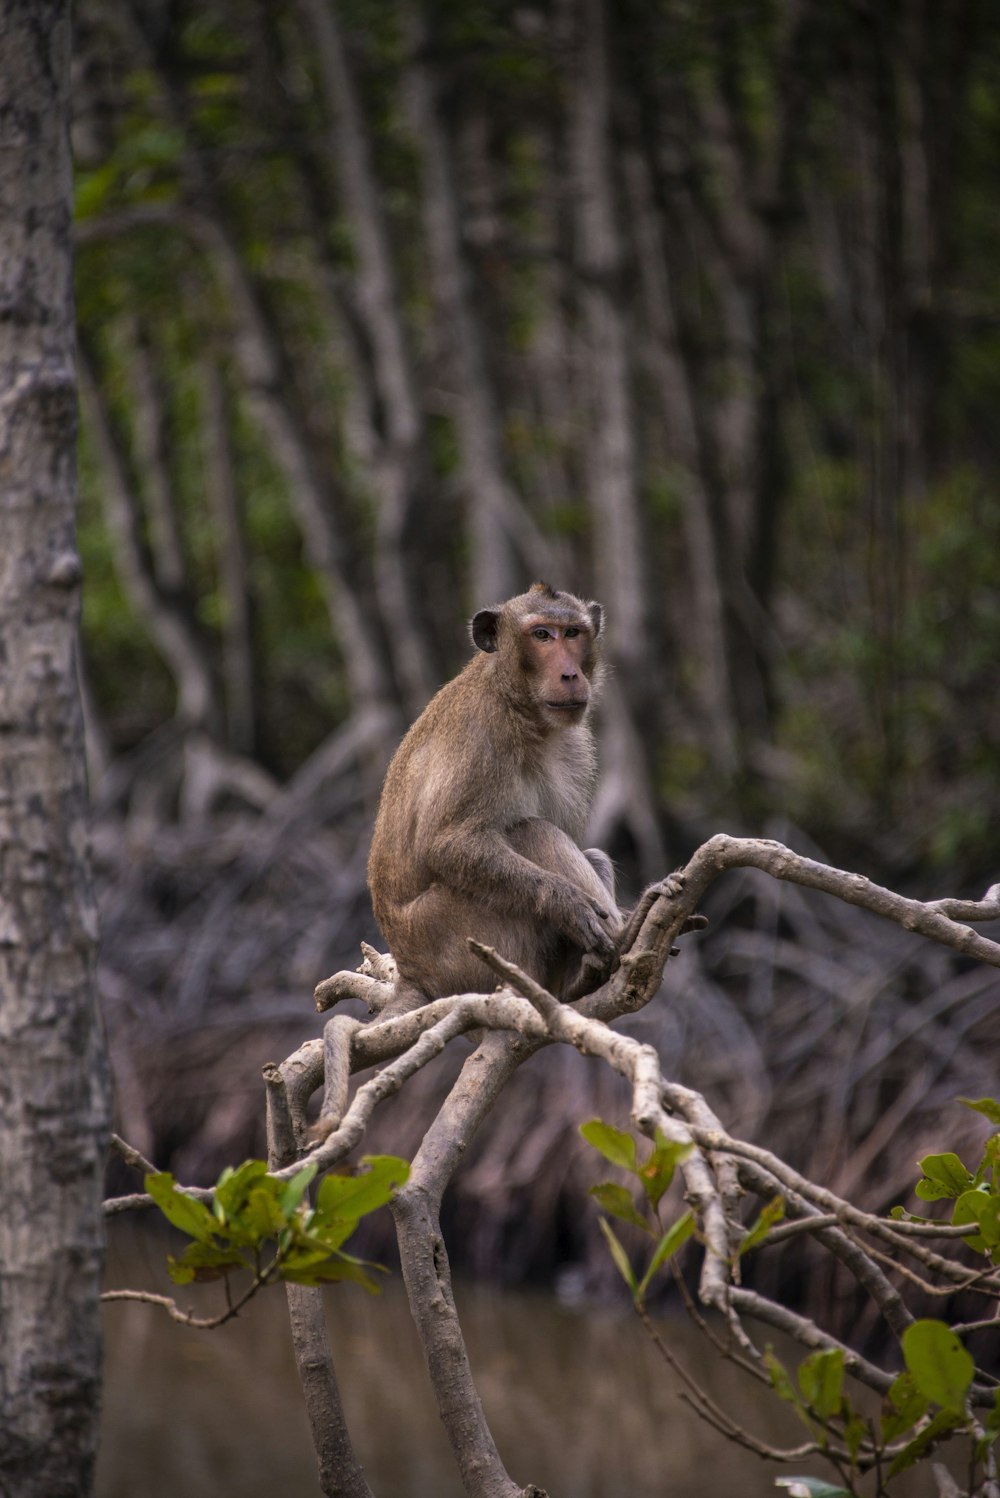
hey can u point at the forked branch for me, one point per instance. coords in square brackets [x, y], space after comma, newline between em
[519, 1019]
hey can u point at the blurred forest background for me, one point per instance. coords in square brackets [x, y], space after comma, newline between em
[387, 309]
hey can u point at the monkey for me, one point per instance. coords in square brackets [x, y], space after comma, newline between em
[483, 808]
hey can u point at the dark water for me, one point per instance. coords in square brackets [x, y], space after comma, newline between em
[578, 1401]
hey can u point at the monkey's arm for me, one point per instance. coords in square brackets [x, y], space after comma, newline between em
[480, 862]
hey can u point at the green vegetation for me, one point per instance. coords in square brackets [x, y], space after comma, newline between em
[798, 264]
[940, 1397]
[269, 1228]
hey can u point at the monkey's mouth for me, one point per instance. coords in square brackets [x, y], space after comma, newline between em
[575, 706]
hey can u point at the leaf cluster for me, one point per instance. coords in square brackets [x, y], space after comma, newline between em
[269, 1226]
[976, 1194]
[653, 1175]
[926, 1403]
[929, 1401]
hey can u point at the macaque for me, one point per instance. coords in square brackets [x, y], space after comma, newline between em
[483, 808]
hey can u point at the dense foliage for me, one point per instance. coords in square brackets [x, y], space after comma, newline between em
[385, 310]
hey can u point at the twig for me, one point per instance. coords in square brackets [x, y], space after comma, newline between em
[808, 1334]
[933, 919]
[202, 1323]
[131, 1156]
[706, 1407]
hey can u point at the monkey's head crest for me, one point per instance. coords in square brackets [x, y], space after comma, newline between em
[546, 590]
[541, 597]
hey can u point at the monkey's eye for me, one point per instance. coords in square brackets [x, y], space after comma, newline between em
[571, 633]
[541, 634]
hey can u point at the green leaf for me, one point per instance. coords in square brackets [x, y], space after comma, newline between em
[657, 1172]
[902, 1407]
[940, 1365]
[327, 1236]
[944, 1175]
[810, 1487]
[855, 1432]
[781, 1381]
[261, 1216]
[329, 1272]
[308, 1254]
[943, 1422]
[785, 1389]
[821, 1379]
[668, 1245]
[234, 1187]
[773, 1212]
[618, 1201]
[987, 1106]
[982, 1208]
[620, 1257]
[613, 1144]
[900, 1214]
[296, 1189]
[191, 1216]
[203, 1261]
[347, 1198]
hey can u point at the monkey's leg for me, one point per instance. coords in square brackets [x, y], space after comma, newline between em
[570, 971]
[430, 934]
[603, 868]
[405, 996]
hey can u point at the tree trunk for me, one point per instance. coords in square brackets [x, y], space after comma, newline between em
[169, 622]
[611, 475]
[400, 464]
[491, 507]
[54, 1102]
[237, 617]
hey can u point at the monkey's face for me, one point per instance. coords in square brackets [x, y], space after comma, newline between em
[558, 657]
[546, 649]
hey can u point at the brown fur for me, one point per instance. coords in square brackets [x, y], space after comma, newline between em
[483, 807]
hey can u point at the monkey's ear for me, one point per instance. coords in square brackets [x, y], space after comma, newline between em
[596, 617]
[484, 630]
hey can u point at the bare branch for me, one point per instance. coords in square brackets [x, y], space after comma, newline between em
[929, 919]
[339, 1469]
[808, 1334]
[187, 1318]
[131, 1156]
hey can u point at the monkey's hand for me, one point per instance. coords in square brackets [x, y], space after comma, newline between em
[583, 920]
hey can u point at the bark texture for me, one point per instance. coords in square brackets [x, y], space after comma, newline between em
[54, 1101]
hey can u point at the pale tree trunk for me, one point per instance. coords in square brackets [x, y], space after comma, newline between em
[398, 466]
[494, 515]
[660, 347]
[314, 491]
[612, 476]
[169, 623]
[54, 1102]
[237, 623]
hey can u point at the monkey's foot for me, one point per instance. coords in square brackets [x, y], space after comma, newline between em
[669, 888]
[595, 969]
